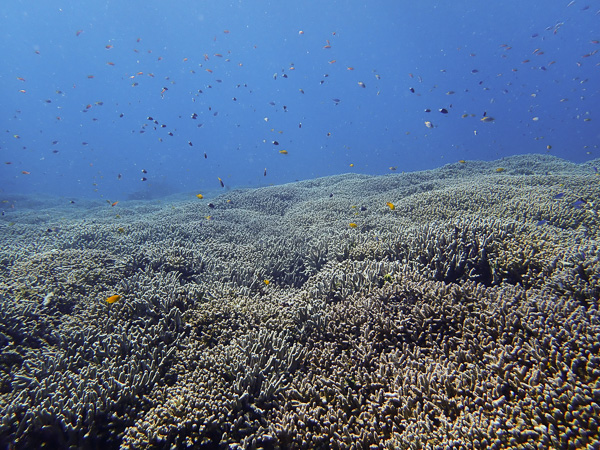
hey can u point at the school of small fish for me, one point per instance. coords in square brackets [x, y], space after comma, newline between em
[215, 67]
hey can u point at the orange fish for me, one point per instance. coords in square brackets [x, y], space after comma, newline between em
[110, 63]
[332, 61]
[114, 203]
[209, 71]
[24, 172]
[20, 78]
[113, 298]
[108, 47]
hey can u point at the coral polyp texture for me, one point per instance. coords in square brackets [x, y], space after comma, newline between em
[465, 317]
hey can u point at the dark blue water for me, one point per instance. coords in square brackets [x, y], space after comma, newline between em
[513, 61]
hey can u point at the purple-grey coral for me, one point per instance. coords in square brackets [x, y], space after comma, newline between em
[466, 317]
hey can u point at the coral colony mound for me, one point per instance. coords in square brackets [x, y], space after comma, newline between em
[453, 307]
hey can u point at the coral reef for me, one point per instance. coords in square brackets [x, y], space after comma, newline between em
[465, 317]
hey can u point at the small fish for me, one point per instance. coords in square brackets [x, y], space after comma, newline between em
[283, 152]
[361, 84]
[266, 282]
[200, 196]
[113, 298]
[542, 222]
[114, 203]
[352, 225]
[144, 179]
[24, 172]
[265, 174]
[558, 196]
[390, 205]
[275, 143]
[487, 119]
[461, 161]
[428, 124]
[500, 169]
[443, 110]
[221, 181]
[393, 167]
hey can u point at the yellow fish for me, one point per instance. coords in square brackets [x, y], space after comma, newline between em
[283, 152]
[113, 298]
[352, 225]
[462, 161]
[428, 124]
[391, 205]
[200, 196]
[267, 282]
[500, 169]
[487, 119]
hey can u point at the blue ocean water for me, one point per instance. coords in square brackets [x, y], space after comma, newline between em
[107, 100]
